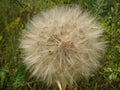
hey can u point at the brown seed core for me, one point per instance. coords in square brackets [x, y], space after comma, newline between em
[65, 44]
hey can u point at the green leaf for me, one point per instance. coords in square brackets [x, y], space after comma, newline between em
[75, 88]
[112, 76]
[1, 37]
[118, 47]
[108, 69]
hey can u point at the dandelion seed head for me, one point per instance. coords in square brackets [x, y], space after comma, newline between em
[62, 44]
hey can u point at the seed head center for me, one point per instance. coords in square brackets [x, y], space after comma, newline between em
[65, 44]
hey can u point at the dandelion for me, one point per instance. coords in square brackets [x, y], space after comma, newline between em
[62, 44]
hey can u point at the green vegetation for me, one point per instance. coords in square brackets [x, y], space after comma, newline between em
[13, 16]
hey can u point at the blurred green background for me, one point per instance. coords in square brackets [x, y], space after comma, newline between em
[14, 14]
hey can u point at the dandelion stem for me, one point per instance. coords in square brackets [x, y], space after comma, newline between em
[63, 85]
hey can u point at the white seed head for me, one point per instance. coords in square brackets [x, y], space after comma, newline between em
[62, 44]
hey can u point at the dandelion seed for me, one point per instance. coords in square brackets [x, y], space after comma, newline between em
[62, 44]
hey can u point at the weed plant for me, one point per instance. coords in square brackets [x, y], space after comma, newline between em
[14, 14]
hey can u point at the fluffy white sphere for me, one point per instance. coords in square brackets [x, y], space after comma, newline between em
[62, 44]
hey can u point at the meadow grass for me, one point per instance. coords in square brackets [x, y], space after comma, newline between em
[14, 14]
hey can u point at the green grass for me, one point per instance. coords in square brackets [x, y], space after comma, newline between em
[13, 16]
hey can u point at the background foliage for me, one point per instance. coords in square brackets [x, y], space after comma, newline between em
[15, 13]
